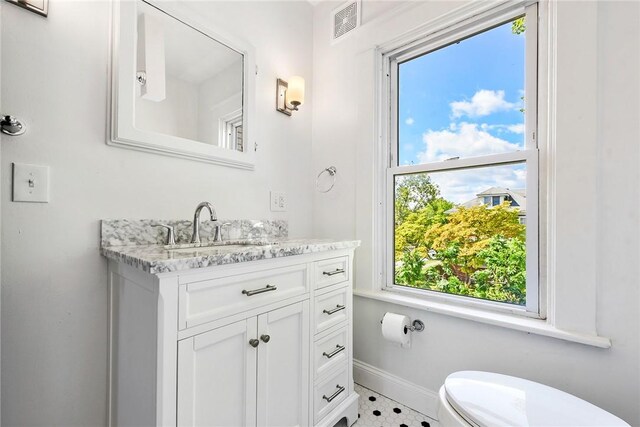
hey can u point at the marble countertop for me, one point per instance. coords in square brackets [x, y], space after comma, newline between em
[156, 259]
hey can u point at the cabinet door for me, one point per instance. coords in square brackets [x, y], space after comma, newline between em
[217, 377]
[283, 366]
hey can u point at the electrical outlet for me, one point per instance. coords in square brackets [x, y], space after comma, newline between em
[278, 201]
[282, 201]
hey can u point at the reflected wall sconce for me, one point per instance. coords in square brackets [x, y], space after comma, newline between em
[289, 95]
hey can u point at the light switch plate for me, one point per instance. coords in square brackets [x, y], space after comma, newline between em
[30, 183]
[278, 201]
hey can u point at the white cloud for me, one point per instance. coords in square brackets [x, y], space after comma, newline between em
[409, 121]
[463, 185]
[517, 128]
[464, 140]
[483, 103]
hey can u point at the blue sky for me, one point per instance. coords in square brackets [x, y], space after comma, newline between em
[463, 100]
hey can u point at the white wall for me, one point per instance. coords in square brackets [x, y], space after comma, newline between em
[191, 110]
[175, 115]
[597, 162]
[220, 96]
[54, 282]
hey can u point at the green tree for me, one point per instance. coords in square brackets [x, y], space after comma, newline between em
[413, 193]
[504, 275]
[410, 233]
[518, 26]
[469, 231]
[409, 272]
[480, 251]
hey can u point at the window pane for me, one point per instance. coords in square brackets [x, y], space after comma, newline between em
[465, 99]
[450, 237]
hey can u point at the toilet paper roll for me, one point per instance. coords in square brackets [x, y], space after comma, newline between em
[395, 329]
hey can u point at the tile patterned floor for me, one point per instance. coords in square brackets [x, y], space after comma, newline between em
[379, 411]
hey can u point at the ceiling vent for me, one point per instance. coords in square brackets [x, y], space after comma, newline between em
[345, 19]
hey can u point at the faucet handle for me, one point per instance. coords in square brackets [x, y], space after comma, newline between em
[171, 235]
[257, 230]
[221, 229]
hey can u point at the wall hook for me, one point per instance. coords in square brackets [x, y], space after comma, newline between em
[9, 125]
[141, 78]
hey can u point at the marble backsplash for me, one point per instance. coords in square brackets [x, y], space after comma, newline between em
[126, 232]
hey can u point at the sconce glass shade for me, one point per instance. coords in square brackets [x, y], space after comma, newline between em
[295, 91]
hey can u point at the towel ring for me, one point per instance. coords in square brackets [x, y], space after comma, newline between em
[332, 171]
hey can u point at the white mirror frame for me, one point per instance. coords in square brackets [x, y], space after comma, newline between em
[123, 93]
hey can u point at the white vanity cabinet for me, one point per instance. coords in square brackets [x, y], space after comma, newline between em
[258, 343]
[217, 379]
[223, 381]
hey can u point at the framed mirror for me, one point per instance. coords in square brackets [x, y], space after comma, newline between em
[178, 87]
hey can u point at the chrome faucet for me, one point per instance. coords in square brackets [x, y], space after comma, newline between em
[195, 238]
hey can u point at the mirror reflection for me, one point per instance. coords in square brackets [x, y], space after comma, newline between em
[189, 85]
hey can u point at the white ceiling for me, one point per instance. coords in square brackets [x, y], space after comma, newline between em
[190, 55]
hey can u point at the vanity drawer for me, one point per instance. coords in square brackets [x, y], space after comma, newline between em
[331, 309]
[329, 352]
[328, 394]
[331, 271]
[207, 300]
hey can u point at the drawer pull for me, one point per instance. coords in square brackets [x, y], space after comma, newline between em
[334, 272]
[265, 338]
[338, 349]
[254, 342]
[267, 288]
[334, 395]
[335, 310]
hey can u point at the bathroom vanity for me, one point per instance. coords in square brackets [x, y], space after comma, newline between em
[230, 335]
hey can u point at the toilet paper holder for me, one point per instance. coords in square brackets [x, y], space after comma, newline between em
[416, 326]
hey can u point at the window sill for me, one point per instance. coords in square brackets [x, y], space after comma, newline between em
[524, 324]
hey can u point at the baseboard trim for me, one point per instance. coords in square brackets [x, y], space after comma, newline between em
[409, 394]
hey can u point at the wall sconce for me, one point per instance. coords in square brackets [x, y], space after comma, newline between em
[289, 95]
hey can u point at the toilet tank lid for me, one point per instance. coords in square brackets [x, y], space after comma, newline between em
[487, 399]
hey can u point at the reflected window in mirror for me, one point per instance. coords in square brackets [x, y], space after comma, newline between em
[189, 85]
[230, 127]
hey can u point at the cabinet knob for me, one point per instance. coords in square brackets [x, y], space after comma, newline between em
[265, 338]
[254, 342]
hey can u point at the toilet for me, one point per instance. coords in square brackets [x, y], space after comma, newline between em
[485, 399]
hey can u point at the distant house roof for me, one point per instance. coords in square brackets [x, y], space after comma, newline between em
[517, 198]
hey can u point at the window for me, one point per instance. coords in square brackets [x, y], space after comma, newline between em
[461, 178]
[231, 130]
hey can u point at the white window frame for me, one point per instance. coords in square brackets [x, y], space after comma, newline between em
[227, 126]
[390, 58]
